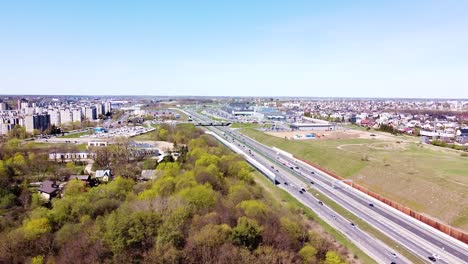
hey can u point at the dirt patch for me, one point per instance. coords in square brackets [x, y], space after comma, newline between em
[321, 135]
[332, 135]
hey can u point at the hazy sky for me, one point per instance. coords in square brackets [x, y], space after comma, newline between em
[243, 47]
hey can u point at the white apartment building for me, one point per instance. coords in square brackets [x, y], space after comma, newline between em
[66, 116]
[90, 113]
[55, 117]
[107, 107]
[99, 110]
[76, 114]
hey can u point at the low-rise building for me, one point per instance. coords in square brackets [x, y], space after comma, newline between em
[103, 175]
[48, 190]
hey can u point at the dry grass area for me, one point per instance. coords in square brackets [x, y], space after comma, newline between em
[338, 134]
[428, 179]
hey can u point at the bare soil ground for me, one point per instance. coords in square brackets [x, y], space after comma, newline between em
[331, 135]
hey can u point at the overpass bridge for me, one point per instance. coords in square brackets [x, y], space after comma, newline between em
[212, 123]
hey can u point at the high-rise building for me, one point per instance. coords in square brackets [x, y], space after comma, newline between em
[3, 106]
[77, 115]
[99, 109]
[22, 104]
[107, 107]
[90, 113]
[39, 122]
[55, 117]
[7, 124]
[65, 116]
[28, 110]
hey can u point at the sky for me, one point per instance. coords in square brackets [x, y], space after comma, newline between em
[235, 48]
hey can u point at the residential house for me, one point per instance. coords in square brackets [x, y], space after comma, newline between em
[462, 138]
[103, 175]
[84, 178]
[48, 190]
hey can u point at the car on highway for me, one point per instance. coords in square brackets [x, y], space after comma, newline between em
[371, 205]
[312, 172]
[311, 182]
[393, 254]
[352, 224]
[285, 183]
[301, 192]
[320, 202]
[431, 258]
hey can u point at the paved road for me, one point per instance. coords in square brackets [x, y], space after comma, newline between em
[373, 247]
[417, 237]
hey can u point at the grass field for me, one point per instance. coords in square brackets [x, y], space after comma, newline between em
[76, 135]
[144, 137]
[430, 180]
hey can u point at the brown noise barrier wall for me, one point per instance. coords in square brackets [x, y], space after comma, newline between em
[455, 233]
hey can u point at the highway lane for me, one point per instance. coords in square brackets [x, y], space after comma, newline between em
[417, 237]
[373, 247]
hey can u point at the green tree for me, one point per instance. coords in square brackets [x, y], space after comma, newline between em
[37, 259]
[199, 197]
[34, 228]
[333, 258]
[253, 208]
[308, 254]
[124, 230]
[247, 233]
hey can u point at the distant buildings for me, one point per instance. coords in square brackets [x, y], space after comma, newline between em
[3, 106]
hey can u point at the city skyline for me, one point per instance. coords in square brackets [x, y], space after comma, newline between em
[302, 49]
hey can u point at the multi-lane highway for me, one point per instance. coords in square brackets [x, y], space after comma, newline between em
[422, 240]
[373, 247]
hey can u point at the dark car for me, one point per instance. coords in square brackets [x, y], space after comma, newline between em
[320, 202]
[371, 205]
[431, 258]
[303, 189]
[285, 183]
[352, 224]
[312, 172]
[311, 182]
[301, 192]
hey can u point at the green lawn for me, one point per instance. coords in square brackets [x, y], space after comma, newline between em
[427, 179]
[147, 136]
[76, 135]
[322, 152]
